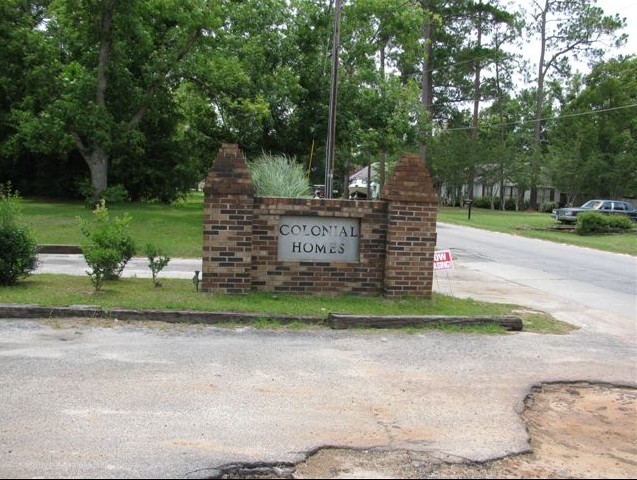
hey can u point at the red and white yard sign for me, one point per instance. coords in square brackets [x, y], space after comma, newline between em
[443, 260]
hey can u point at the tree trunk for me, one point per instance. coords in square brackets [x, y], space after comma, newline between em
[97, 162]
[537, 131]
[476, 109]
[94, 155]
[501, 121]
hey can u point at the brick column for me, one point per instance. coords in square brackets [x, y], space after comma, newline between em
[227, 224]
[411, 229]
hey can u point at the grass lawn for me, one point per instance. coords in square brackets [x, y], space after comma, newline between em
[178, 294]
[537, 225]
[177, 229]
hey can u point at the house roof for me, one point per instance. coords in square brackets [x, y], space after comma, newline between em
[362, 174]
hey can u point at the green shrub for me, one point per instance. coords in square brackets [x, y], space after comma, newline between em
[279, 176]
[594, 222]
[107, 245]
[18, 253]
[116, 194]
[485, 202]
[482, 202]
[548, 207]
[10, 207]
[112, 195]
[18, 248]
[102, 261]
[157, 260]
[509, 204]
[591, 222]
[620, 222]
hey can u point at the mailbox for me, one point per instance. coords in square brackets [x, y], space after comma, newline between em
[469, 202]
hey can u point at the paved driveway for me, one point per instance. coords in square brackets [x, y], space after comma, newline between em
[110, 400]
[134, 401]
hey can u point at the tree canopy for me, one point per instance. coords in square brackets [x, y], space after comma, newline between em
[137, 96]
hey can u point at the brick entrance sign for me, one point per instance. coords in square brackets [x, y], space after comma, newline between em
[326, 246]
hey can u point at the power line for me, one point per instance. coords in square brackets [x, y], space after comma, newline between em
[522, 122]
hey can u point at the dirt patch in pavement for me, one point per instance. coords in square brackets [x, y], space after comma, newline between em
[577, 430]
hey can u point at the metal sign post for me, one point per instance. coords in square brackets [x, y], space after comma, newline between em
[443, 261]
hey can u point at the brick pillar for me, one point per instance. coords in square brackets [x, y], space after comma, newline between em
[227, 224]
[411, 229]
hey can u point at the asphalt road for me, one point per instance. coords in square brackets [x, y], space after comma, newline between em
[71, 264]
[589, 288]
[109, 400]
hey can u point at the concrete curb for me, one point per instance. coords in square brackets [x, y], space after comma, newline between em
[335, 321]
[172, 316]
[338, 321]
[63, 249]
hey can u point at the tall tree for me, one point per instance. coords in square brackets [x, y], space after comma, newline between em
[24, 58]
[380, 110]
[593, 148]
[503, 35]
[251, 76]
[117, 62]
[566, 29]
[485, 50]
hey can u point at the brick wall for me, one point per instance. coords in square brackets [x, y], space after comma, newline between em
[228, 212]
[411, 229]
[240, 245]
[271, 274]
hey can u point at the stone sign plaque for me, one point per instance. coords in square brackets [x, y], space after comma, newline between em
[319, 239]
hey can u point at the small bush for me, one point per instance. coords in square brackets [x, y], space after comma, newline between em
[112, 195]
[10, 207]
[157, 260]
[116, 194]
[509, 204]
[593, 222]
[485, 202]
[482, 202]
[107, 246]
[102, 261]
[620, 222]
[18, 248]
[548, 207]
[18, 253]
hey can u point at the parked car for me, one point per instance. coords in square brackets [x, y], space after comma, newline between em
[610, 207]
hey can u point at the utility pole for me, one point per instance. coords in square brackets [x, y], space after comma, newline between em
[331, 123]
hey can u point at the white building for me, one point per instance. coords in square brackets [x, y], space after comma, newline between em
[358, 183]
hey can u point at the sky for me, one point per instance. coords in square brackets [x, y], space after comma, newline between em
[624, 8]
[628, 9]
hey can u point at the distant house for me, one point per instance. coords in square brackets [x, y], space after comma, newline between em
[449, 195]
[363, 183]
[455, 195]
